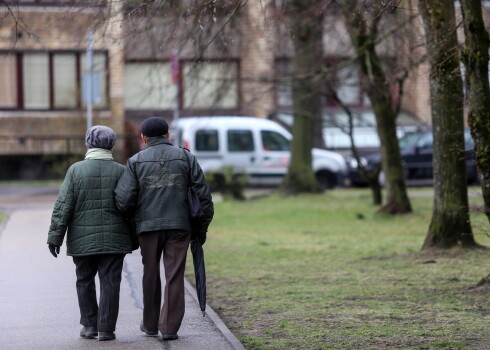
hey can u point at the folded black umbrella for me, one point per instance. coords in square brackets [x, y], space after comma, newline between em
[200, 273]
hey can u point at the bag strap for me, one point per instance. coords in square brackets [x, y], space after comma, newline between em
[189, 164]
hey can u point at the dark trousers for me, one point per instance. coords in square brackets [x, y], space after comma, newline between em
[174, 245]
[109, 267]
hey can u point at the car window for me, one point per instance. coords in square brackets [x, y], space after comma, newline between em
[468, 141]
[273, 141]
[207, 140]
[425, 141]
[408, 139]
[240, 141]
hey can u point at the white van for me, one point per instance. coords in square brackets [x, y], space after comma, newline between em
[257, 147]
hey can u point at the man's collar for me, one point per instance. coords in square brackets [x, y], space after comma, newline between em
[157, 140]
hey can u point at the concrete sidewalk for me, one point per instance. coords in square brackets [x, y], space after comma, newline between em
[38, 303]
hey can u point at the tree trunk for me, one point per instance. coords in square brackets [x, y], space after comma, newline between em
[306, 32]
[475, 58]
[378, 90]
[450, 225]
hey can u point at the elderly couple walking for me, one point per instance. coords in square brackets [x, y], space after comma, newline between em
[108, 210]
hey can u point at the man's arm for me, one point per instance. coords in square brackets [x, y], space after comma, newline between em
[126, 191]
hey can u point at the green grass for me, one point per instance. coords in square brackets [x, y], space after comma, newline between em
[2, 217]
[326, 272]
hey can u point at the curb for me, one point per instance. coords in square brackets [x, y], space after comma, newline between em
[237, 345]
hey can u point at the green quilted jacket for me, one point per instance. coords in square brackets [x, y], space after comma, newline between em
[86, 208]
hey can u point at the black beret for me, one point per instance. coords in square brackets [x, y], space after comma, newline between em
[154, 126]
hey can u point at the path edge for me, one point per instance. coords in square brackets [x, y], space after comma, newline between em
[237, 345]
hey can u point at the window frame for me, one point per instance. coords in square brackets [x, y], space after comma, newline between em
[326, 103]
[267, 132]
[182, 89]
[155, 61]
[213, 132]
[20, 105]
[244, 131]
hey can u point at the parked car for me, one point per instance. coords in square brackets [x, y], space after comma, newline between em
[257, 147]
[416, 152]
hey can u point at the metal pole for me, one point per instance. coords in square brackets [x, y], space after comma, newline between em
[174, 57]
[89, 77]
[177, 111]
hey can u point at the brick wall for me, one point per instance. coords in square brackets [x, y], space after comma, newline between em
[52, 28]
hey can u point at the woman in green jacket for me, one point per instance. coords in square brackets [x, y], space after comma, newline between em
[98, 235]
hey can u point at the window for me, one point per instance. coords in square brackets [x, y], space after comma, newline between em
[346, 82]
[284, 91]
[100, 69]
[273, 141]
[425, 141]
[207, 140]
[35, 81]
[210, 85]
[65, 82]
[148, 86]
[348, 86]
[48, 80]
[8, 81]
[240, 141]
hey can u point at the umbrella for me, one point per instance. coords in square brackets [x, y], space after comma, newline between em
[200, 273]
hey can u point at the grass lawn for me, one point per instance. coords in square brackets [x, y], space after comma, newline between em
[2, 217]
[325, 272]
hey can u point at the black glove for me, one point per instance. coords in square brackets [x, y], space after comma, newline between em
[201, 237]
[54, 249]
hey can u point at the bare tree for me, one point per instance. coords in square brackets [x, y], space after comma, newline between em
[364, 38]
[450, 224]
[371, 176]
[475, 57]
[306, 18]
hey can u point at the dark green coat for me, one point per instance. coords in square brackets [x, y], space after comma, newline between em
[154, 188]
[87, 209]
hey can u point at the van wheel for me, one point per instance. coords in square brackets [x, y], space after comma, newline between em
[326, 179]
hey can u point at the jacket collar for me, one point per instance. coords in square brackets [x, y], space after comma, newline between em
[99, 153]
[157, 140]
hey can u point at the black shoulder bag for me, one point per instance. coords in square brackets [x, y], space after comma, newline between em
[194, 203]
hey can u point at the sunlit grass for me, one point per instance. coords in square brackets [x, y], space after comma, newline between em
[326, 272]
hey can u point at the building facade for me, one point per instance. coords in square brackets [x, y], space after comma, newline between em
[220, 59]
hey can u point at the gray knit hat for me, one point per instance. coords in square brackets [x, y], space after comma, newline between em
[100, 136]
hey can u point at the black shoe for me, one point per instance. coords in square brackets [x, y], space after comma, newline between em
[89, 332]
[169, 336]
[106, 336]
[147, 331]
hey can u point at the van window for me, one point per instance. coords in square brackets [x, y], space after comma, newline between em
[207, 140]
[240, 141]
[273, 141]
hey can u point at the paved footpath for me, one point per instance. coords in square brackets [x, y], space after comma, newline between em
[38, 303]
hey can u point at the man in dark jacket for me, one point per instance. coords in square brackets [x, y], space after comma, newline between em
[98, 234]
[154, 189]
